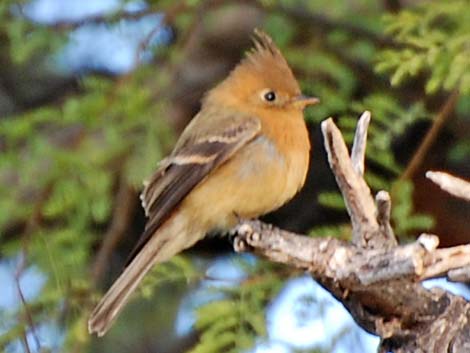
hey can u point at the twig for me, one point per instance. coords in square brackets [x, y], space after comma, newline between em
[356, 193]
[169, 17]
[441, 261]
[384, 206]
[24, 339]
[144, 44]
[29, 318]
[31, 225]
[461, 275]
[285, 247]
[455, 186]
[103, 19]
[444, 114]
[170, 13]
[124, 207]
[358, 152]
[346, 263]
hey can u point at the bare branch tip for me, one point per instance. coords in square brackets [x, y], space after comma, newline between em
[451, 184]
[430, 174]
[461, 275]
[382, 196]
[384, 205]
[358, 152]
[326, 125]
[365, 117]
[429, 241]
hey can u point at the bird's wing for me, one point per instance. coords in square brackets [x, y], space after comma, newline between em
[192, 160]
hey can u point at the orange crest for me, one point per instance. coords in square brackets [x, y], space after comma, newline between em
[264, 67]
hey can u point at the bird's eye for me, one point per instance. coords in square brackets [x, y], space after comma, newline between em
[269, 96]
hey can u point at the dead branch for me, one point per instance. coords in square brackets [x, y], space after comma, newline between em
[122, 216]
[384, 207]
[358, 152]
[344, 261]
[455, 186]
[438, 123]
[376, 279]
[356, 192]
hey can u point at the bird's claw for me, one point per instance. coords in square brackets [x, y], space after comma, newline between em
[243, 235]
[239, 244]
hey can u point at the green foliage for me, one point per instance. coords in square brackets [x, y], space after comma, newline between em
[178, 269]
[332, 74]
[27, 40]
[232, 323]
[331, 200]
[341, 231]
[66, 160]
[389, 121]
[405, 221]
[434, 39]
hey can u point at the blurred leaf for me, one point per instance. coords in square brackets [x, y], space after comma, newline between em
[332, 200]
[405, 220]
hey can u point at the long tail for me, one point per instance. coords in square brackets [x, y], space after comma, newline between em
[170, 239]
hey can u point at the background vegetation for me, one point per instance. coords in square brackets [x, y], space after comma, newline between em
[76, 144]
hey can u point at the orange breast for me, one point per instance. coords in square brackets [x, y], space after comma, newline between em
[259, 178]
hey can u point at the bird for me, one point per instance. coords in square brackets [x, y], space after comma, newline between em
[245, 154]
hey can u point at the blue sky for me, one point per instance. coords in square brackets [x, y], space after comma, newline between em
[99, 46]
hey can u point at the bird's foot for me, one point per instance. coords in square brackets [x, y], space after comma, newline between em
[245, 235]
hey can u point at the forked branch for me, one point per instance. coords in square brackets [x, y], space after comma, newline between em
[376, 279]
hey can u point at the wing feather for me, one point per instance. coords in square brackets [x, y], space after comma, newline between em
[187, 166]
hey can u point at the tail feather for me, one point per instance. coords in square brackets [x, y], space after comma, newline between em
[169, 240]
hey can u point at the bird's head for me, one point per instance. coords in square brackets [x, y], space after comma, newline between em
[263, 79]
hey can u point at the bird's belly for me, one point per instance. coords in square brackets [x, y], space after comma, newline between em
[257, 180]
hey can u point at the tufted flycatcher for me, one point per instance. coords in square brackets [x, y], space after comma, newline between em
[244, 154]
